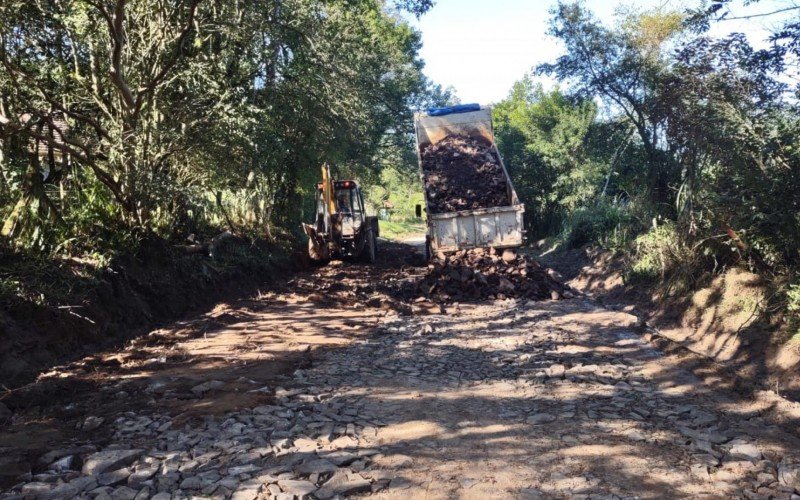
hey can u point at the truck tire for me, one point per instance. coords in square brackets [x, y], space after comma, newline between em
[428, 250]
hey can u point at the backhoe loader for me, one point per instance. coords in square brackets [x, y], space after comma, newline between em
[341, 226]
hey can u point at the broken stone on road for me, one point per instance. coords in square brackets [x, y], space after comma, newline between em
[511, 398]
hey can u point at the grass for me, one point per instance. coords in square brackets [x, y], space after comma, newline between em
[393, 230]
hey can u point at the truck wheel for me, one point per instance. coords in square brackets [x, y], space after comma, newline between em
[428, 250]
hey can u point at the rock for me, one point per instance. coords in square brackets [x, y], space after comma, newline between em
[706, 459]
[113, 478]
[343, 483]
[4, 411]
[541, 418]
[64, 464]
[248, 490]
[62, 491]
[530, 494]
[242, 469]
[509, 256]
[103, 461]
[211, 385]
[478, 274]
[700, 471]
[84, 483]
[47, 491]
[635, 435]
[54, 455]
[341, 457]
[141, 475]
[462, 173]
[556, 371]
[467, 482]
[166, 496]
[713, 437]
[394, 461]
[91, 423]
[124, 493]
[305, 445]
[789, 475]
[319, 466]
[343, 442]
[36, 489]
[300, 489]
[743, 449]
[191, 483]
[400, 483]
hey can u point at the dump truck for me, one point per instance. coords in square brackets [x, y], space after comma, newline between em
[499, 225]
[341, 227]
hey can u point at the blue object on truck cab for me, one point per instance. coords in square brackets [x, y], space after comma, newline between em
[461, 108]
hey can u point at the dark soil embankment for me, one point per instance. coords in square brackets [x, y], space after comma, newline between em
[725, 318]
[463, 173]
[65, 309]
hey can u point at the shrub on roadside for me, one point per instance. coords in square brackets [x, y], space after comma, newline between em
[661, 254]
[793, 306]
[607, 223]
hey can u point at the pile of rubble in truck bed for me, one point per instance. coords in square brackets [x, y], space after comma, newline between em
[463, 173]
[488, 274]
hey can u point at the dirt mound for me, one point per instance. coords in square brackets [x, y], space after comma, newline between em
[463, 173]
[488, 274]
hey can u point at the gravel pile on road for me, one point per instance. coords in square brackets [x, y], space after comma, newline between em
[488, 274]
[463, 173]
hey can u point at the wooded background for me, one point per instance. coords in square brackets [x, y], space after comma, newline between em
[175, 119]
[662, 143]
[186, 116]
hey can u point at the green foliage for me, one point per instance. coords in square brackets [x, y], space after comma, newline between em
[793, 306]
[659, 253]
[793, 295]
[619, 66]
[185, 117]
[606, 223]
[395, 230]
[543, 137]
[696, 135]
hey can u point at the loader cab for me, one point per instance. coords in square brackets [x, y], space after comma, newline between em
[350, 210]
[341, 226]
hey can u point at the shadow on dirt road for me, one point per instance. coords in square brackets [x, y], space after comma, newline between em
[328, 385]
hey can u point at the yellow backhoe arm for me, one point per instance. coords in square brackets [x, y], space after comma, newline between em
[327, 190]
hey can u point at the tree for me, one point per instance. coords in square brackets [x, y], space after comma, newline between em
[544, 137]
[621, 67]
[183, 107]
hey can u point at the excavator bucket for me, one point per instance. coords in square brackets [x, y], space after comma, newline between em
[317, 248]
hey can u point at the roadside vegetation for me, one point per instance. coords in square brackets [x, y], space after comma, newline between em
[395, 230]
[673, 148]
[129, 123]
[395, 194]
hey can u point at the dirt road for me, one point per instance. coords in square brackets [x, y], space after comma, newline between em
[326, 386]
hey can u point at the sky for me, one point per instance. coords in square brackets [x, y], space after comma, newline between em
[481, 47]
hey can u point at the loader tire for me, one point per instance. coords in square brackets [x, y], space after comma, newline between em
[369, 253]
